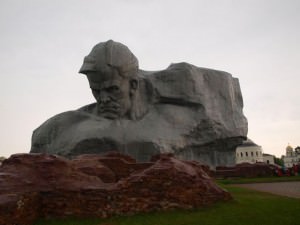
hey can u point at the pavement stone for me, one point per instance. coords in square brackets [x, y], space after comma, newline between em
[289, 189]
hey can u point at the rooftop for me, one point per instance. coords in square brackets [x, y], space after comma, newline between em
[248, 143]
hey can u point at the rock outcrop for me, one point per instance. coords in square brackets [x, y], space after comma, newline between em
[40, 186]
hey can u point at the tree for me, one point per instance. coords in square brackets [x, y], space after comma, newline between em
[2, 158]
[278, 161]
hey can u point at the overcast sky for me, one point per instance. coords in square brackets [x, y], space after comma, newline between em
[42, 45]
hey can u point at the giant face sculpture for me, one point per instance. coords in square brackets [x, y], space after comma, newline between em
[113, 92]
[193, 112]
[112, 69]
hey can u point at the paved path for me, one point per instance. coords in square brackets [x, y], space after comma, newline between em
[290, 189]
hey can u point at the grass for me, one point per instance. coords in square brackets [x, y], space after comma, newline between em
[258, 180]
[248, 207]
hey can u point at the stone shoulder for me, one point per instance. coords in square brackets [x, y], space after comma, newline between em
[44, 136]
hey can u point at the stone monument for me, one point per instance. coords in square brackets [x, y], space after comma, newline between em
[194, 113]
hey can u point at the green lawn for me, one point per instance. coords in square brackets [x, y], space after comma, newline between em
[248, 208]
[258, 180]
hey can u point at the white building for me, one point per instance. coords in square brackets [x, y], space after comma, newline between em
[249, 152]
[269, 159]
[292, 157]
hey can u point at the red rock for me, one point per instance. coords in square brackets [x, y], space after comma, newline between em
[91, 165]
[246, 170]
[39, 185]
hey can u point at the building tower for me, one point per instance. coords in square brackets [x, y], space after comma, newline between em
[289, 151]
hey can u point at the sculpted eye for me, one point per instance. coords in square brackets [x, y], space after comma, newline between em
[113, 88]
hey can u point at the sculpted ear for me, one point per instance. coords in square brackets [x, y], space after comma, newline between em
[133, 85]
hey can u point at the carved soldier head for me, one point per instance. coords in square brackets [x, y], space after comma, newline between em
[112, 72]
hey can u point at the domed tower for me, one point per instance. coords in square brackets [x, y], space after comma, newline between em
[289, 151]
